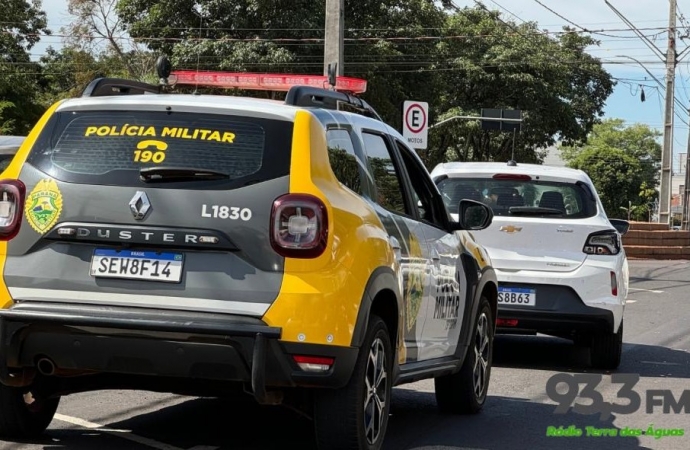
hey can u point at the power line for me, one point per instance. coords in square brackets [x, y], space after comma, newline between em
[573, 23]
[647, 42]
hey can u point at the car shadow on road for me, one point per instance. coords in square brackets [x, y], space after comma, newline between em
[415, 424]
[504, 423]
[554, 354]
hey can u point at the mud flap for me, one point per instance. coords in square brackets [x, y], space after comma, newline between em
[262, 396]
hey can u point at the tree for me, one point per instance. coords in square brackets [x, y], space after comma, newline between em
[616, 175]
[638, 140]
[97, 30]
[560, 88]
[19, 32]
[459, 60]
[633, 150]
[66, 73]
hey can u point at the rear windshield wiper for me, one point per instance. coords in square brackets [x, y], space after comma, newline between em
[170, 174]
[535, 210]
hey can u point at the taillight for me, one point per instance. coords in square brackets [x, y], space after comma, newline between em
[299, 226]
[11, 206]
[313, 363]
[603, 243]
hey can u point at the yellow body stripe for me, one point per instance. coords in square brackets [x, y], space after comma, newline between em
[12, 173]
[320, 298]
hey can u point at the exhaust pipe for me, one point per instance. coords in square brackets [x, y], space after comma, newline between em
[45, 366]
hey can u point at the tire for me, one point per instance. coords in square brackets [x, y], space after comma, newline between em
[456, 393]
[342, 416]
[606, 349]
[19, 420]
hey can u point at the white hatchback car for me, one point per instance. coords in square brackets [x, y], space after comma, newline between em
[559, 260]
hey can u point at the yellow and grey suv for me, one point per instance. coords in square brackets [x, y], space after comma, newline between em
[192, 243]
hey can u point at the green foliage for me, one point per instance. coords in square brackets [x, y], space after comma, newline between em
[473, 60]
[19, 32]
[23, 22]
[623, 162]
[458, 60]
[616, 175]
[560, 88]
[66, 73]
[5, 125]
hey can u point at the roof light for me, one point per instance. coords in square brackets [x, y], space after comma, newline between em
[264, 81]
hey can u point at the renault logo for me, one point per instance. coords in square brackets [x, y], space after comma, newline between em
[510, 229]
[139, 205]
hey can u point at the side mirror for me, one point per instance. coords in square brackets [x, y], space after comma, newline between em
[473, 215]
[622, 226]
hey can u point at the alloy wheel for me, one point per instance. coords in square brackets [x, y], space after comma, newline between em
[376, 391]
[481, 356]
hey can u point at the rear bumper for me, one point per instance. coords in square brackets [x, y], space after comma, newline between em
[173, 344]
[559, 310]
[588, 285]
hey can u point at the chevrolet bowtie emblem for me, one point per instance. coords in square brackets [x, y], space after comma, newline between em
[510, 229]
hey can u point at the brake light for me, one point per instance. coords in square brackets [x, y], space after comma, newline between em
[614, 284]
[506, 322]
[603, 243]
[299, 226]
[12, 194]
[511, 176]
[313, 363]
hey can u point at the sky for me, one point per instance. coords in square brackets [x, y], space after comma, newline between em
[650, 16]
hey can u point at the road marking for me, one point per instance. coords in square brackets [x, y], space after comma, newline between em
[646, 290]
[125, 434]
[631, 301]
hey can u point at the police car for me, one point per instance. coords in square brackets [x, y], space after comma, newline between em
[193, 243]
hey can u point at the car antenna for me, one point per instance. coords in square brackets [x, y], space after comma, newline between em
[163, 69]
[512, 161]
[332, 77]
[198, 53]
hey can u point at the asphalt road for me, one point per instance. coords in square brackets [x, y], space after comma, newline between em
[517, 415]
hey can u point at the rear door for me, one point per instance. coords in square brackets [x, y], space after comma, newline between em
[191, 234]
[446, 307]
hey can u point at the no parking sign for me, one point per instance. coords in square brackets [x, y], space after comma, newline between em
[416, 123]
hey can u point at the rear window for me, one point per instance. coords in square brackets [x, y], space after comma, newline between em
[110, 147]
[528, 198]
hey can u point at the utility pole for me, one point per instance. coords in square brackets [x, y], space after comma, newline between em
[686, 193]
[670, 57]
[667, 150]
[335, 36]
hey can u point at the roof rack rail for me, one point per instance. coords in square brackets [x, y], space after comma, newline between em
[102, 87]
[329, 99]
